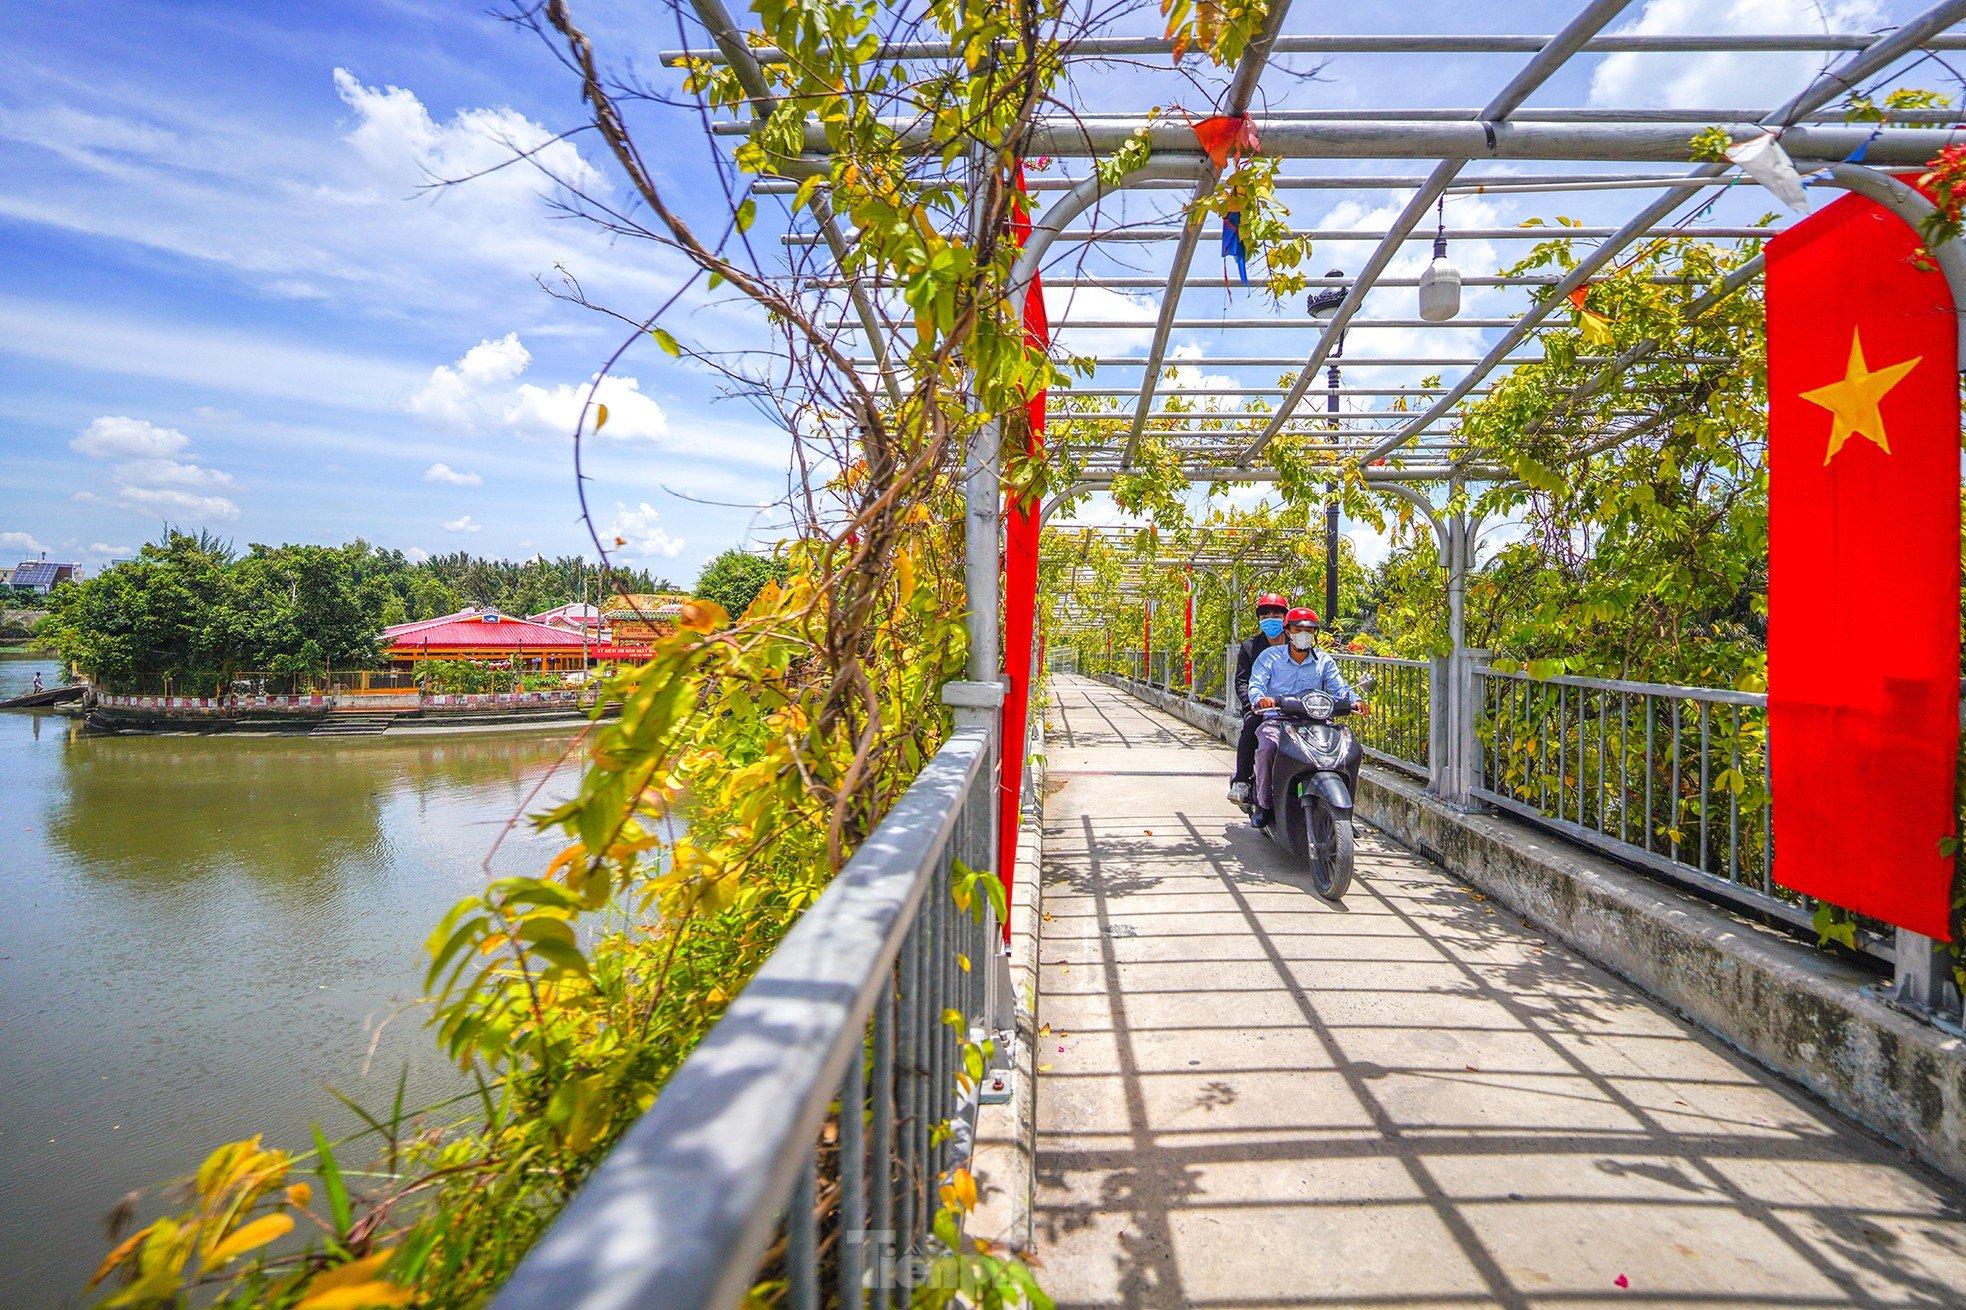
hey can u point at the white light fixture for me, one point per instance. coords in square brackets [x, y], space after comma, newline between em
[1440, 283]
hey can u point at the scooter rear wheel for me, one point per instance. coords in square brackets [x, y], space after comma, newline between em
[1331, 847]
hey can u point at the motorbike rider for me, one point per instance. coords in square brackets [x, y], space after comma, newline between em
[1295, 668]
[1270, 610]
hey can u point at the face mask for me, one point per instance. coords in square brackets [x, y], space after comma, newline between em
[1272, 628]
[1302, 640]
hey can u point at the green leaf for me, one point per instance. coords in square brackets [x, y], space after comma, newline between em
[747, 214]
[668, 343]
[339, 1210]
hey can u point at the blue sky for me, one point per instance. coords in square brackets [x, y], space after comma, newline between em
[231, 301]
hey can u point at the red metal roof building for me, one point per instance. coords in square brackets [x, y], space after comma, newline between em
[486, 636]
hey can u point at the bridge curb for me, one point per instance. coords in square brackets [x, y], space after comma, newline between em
[1805, 1014]
[1005, 1159]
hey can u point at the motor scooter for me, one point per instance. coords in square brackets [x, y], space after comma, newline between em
[1313, 780]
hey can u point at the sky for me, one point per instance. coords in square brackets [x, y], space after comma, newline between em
[234, 299]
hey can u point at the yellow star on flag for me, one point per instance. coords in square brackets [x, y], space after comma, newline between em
[1854, 399]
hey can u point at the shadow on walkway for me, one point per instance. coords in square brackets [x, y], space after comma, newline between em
[1248, 1096]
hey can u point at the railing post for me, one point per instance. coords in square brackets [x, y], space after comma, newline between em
[1922, 977]
[979, 705]
[1439, 757]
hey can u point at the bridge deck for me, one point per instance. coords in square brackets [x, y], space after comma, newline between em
[1248, 1097]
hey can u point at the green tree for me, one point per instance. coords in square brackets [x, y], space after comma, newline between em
[734, 579]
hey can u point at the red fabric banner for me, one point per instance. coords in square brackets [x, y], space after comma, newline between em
[1863, 556]
[1020, 593]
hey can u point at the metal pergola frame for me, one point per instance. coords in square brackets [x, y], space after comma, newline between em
[1403, 440]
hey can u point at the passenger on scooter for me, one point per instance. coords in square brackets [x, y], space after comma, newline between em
[1270, 609]
[1296, 668]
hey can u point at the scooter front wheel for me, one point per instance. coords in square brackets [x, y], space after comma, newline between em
[1331, 850]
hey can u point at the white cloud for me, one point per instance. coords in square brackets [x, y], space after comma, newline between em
[169, 473]
[171, 503]
[476, 394]
[1725, 80]
[446, 474]
[18, 543]
[306, 214]
[463, 396]
[1063, 305]
[149, 480]
[416, 554]
[1370, 547]
[632, 416]
[130, 438]
[463, 524]
[640, 534]
[216, 359]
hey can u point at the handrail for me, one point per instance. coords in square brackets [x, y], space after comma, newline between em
[682, 1211]
[1716, 695]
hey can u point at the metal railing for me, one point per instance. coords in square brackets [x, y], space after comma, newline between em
[730, 1178]
[1398, 731]
[1674, 779]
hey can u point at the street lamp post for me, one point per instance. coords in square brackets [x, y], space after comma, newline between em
[1322, 305]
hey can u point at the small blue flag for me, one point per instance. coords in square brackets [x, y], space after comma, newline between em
[1232, 244]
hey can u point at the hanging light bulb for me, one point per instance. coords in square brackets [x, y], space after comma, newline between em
[1440, 284]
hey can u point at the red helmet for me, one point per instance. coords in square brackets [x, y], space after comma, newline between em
[1269, 600]
[1300, 615]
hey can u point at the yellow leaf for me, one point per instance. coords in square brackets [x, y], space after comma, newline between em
[963, 962]
[250, 1237]
[703, 616]
[600, 417]
[118, 1256]
[492, 943]
[362, 1296]
[904, 575]
[299, 1195]
[349, 1275]
[1596, 328]
[960, 1190]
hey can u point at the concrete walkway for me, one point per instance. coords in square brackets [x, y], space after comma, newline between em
[1249, 1097]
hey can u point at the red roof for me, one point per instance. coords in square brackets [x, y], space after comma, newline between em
[475, 633]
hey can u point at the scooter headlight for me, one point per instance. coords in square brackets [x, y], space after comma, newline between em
[1318, 705]
[1322, 744]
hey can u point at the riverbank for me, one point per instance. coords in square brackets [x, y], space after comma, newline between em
[319, 721]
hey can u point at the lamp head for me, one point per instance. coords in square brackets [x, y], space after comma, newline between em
[1323, 304]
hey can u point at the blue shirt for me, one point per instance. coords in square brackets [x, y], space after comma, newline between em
[1276, 675]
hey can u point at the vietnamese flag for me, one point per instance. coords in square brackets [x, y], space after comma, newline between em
[1863, 565]
[1020, 591]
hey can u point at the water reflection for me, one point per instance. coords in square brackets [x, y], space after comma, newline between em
[202, 932]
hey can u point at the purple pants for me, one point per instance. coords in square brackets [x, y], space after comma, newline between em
[1266, 754]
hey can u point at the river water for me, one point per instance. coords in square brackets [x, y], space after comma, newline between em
[202, 934]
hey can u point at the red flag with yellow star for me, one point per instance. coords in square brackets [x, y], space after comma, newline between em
[1863, 565]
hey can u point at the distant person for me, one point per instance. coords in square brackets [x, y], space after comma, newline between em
[1270, 609]
[37, 680]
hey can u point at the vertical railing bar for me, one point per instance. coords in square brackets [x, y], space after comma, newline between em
[850, 1231]
[1734, 801]
[1562, 743]
[1603, 824]
[802, 1238]
[1624, 766]
[1651, 768]
[883, 1131]
[1678, 802]
[1706, 794]
[907, 1056]
[1767, 813]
